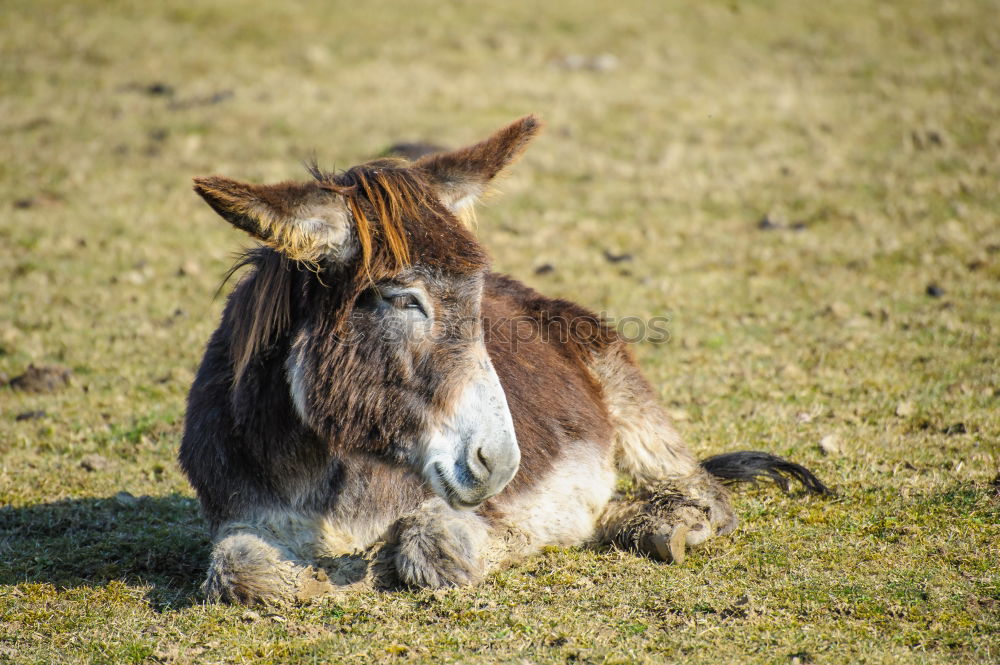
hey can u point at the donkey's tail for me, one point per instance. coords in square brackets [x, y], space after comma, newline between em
[749, 466]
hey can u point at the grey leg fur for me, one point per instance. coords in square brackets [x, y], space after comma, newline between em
[249, 568]
[271, 561]
[437, 546]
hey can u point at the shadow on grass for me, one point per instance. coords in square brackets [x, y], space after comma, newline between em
[156, 541]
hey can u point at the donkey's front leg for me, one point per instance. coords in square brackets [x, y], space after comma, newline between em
[438, 546]
[251, 565]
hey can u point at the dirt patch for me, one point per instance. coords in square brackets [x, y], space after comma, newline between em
[46, 379]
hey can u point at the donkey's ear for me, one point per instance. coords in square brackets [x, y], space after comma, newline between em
[462, 176]
[302, 220]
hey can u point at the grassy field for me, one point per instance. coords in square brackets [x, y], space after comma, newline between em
[810, 191]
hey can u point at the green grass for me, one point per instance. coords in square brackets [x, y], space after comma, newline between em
[873, 125]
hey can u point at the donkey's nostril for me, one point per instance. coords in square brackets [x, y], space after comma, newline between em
[481, 456]
[477, 461]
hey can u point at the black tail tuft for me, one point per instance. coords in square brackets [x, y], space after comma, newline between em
[748, 466]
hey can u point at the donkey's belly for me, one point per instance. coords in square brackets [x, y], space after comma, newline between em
[562, 508]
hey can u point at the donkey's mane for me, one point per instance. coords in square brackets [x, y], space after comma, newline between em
[392, 192]
[381, 195]
[261, 305]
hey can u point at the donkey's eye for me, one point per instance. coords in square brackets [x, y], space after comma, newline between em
[406, 301]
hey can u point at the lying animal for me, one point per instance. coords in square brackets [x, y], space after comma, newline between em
[378, 407]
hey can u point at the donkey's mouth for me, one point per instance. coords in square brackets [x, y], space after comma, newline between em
[449, 488]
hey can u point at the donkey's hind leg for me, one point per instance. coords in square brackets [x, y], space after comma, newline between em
[250, 566]
[660, 522]
[650, 450]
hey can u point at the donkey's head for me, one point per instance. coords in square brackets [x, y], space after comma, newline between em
[370, 296]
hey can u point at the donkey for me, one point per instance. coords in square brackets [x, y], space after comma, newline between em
[378, 408]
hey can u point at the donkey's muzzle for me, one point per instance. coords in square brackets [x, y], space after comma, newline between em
[473, 455]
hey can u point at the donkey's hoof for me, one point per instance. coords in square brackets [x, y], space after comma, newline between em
[709, 495]
[704, 509]
[313, 583]
[668, 524]
[667, 544]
